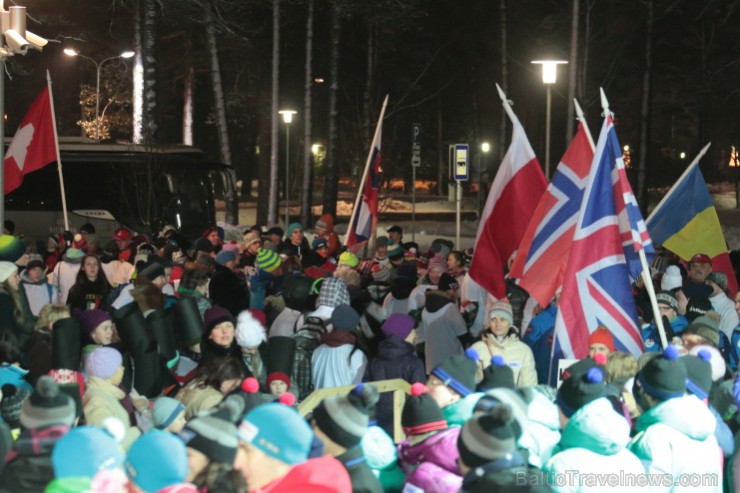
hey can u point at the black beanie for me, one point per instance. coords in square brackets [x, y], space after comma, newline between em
[664, 377]
[698, 373]
[582, 366]
[458, 372]
[485, 438]
[344, 317]
[421, 413]
[345, 419]
[580, 389]
[497, 375]
[215, 436]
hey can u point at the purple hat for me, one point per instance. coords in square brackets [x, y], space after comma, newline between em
[90, 319]
[216, 315]
[103, 362]
[398, 324]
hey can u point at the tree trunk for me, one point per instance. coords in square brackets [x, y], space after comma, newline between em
[367, 126]
[645, 107]
[572, 70]
[187, 106]
[272, 205]
[442, 154]
[232, 205]
[307, 155]
[332, 178]
[149, 58]
[505, 86]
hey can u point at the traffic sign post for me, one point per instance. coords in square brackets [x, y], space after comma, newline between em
[462, 173]
[415, 163]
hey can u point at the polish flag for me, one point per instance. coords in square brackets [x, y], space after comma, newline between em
[33, 145]
[511, 203]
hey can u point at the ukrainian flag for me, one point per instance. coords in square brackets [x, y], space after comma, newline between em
[686, 223]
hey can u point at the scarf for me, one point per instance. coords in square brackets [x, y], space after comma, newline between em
[338, 338]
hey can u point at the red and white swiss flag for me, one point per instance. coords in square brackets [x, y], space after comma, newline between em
[33, 145]
[513, 198]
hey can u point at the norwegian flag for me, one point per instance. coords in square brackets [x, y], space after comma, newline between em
[34, 143]
[365, 215]
[544, 250]
[596, 287]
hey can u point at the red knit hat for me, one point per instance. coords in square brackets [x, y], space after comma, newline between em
[278, 376]
[602, 336]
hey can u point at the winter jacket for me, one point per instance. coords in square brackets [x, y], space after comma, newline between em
[432, 464]
[14, 375]
[651, 336]
[262, 285]
[594, 442]
[117, 272]
[334, 367]
[321, 475]
[676, 437]
[728, 315]
[516, 354]
[227, 290]
[381, 456]
[38, 293]
[539, 338]
[362, 477]
[29, 467]
[396, 358]
[542, 433]
[507, 474]
[103, 399]
[285, 324]
[88, 296]
[197, 399]
[457, 413]
[21, 330]
[441, 326]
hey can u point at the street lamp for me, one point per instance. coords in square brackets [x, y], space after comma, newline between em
[287, 118]
[549, 77]
[485, 148]
[74, 53]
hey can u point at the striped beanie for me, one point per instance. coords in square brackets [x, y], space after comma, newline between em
[345, 419]
[267, 260]
[421, 413]
[485, 438]
[458, 372]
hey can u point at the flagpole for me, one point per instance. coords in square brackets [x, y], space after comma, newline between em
[56, 148]
[680, 179]
[367, 168]
[582, 119]
[646, 278]
[506, 103]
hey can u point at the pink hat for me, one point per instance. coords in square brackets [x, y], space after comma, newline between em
[438, 261]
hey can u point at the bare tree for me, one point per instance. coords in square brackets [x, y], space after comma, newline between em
[572, 70]
[332, 179]
[307, 155]
[504, 81]
[645, 105]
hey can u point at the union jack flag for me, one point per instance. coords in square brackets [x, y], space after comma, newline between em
[543, 253]
[596, 287]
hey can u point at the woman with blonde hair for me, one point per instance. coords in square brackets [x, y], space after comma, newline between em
[15, 313]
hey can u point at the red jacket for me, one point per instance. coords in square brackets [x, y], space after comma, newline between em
[321, 475]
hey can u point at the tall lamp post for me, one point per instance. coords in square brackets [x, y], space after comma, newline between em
[287, 118]
[485, 148]
[549, 77]
[98, 66]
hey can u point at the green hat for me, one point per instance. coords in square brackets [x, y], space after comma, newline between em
[267, 260]
[293, 226]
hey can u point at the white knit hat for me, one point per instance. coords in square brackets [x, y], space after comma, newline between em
[7, 269]
[249, 330]
[671, 279]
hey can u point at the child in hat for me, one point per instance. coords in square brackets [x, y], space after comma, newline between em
[600, 341]
[98, 327]
[158, 462]
[168, 414]
[675, 433]
[250, 337]
[595, 435]
[452, 385]
[429, 453]
[340, 423]
[502, 338]
[338, 361]
[103, 395]
[275, 458]
[278, 383]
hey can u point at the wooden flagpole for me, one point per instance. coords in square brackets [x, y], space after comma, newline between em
[56, 148]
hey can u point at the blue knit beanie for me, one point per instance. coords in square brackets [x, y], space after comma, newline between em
[289, 443]
[84, 452]
[157, 460]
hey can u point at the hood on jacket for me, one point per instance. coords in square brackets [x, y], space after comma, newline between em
[686, 414]
[321, 475]
[435, 301]
[598, 428]
[393, 347]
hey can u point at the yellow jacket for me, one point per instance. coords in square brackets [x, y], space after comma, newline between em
[516, 354]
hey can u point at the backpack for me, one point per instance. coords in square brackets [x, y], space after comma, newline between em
[307, 339]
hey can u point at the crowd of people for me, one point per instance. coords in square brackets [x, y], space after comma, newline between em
[167, 364]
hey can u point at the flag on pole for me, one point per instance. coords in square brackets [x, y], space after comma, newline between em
[365, 212]
[686, 223]
[543, 255]
[514, 195]
[33, 145]
[596, 286]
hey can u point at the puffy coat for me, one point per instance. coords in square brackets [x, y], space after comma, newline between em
[38, 293]
[63, 278]
[458, 413]
[321, 475]
[543, 431]
[362, 477]
[516, 354]
[651, 336]
[103, 399]
[594, 442]
[441, 326]
[396, 359]
[29, 467]
[431, 465]
[676, 437]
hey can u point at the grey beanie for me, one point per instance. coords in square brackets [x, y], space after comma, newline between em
[47, 406]
[344, 317]
[485, 438]
[345, 419]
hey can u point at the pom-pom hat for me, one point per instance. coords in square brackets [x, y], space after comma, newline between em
[580, 389]
[47, 406]
[421, 413]
[345, 419]
[497, 375]
[249, 331]
[664, 377]
[488, 437]
[458, 372]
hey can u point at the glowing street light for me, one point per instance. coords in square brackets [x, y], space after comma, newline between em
[549, 77]
[98, 65]
[287, 119]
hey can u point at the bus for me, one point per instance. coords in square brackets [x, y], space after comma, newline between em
[111, 185]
